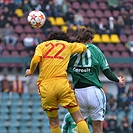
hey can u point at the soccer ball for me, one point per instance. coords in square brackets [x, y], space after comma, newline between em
[36, 19]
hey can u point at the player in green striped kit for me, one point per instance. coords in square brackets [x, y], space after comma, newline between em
[84, 69]
[69, 126]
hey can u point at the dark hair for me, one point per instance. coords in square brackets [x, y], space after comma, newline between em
[59, 35]
[84, 34]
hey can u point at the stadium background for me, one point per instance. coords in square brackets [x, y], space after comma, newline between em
[20, 111]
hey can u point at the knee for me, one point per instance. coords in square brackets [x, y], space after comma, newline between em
[53, 118]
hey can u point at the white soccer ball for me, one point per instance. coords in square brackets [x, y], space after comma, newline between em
[36, 19]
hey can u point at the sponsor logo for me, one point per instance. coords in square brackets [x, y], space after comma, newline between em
[81, 69]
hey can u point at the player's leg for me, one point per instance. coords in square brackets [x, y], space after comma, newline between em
[50, 104]
[97, 126]
[68, 100]
[94, 108]
[79, 120]
[54, 121]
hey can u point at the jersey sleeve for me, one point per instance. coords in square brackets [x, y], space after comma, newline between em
[34, 62]
[64, 127]
[38, 50]
[78, 47]
[102, 60]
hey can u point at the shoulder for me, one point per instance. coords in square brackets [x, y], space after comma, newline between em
[95, 50]
[93, 47]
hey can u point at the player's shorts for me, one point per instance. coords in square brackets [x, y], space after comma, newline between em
[92, 102]
[56, 91]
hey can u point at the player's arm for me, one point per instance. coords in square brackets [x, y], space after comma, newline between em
[34, 62]
[104, 66]
[78, 47]
[107, 72]
[111, 76]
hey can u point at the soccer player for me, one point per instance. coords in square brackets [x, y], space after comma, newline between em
[53, 84]
[84, 69]
[69, 126]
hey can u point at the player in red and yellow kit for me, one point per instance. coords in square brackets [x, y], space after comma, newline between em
[54, 88]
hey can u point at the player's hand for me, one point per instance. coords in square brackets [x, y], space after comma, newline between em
[27, 73]
[121, 80]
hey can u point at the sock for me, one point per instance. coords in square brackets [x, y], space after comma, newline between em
[55, 129]
[82, 127]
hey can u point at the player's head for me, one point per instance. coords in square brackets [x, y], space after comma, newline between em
[59, 35]
[85, 35]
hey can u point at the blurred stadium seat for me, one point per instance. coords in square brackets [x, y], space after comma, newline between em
[5, 96]
[14, 110]
[46, 129]
[12, 130]
[52, 20]
[105, 38]
[104, 20]
[4, 116]
[64, 28]
[23, 21]
[82, 12]
[36, 115]
[6, 53]
[59, 21]
[24, 130]
[35, 123]
[114, 38]
[102, 6]
[25, 97]
[102, 47]
[90, 13]
[25, 116]
[107, 13]
[97, 38]
[123, 38]
[86, 21]
[10, 47]
[15, 20]
[19, 46]
[107, 54]
[76, 5]
[19, 29]
[35, 130]
[120, 47]
[3, 129]
[99, 14]
[15, 97]
[14, 123]
[24, 54]
[111, 47]
[84, 6]
[93, 6]
[116, 54]
[28, 29]
[115, 13]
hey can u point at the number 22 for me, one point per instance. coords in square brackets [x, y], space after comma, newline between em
[52, 46]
